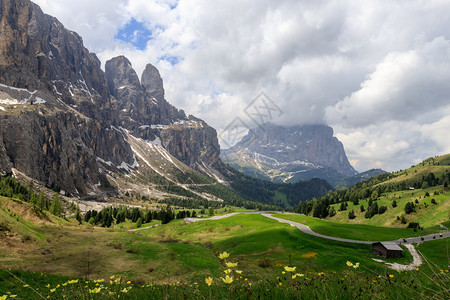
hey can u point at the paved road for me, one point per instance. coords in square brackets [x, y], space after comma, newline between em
[307, 230]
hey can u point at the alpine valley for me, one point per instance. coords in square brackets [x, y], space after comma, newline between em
[108, 191]
[99, 135]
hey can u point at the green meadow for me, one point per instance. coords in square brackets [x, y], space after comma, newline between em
[54, 258]
[354, 231]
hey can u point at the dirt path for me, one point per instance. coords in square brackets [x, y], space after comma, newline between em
[417, 261]
[142, 228]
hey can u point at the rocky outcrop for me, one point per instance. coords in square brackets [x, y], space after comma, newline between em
[37, 52]
[60, 149]
[152, 82]
[65, 122]
[290, 153]
[144, 111]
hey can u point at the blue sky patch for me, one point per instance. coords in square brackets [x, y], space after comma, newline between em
[135, 33]
[173, 60]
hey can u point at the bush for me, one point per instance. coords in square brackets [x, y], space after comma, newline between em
[413, 225]
[382, 209]
[433, 201]
[351, 214]
[409, 208]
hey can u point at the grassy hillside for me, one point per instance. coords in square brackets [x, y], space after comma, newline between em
[427, 213]
[424, 185]
[173, 260]
[354, 231]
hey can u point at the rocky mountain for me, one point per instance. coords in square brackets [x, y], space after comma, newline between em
[71, 126]
[290, 154]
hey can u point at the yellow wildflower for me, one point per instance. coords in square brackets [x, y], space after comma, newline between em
[111, 282]
[231, 265]
[72, 281]
[417, 269]
[64, 284]
[283, 272]
[124, 290]
[117, 279]
[227, 271]
[3, 297]
[290, 269]
[224, 255]
[227, 279]
[112, 277]
[25, 285]
[390, 275]
[128, 282]
[280, 283]
[239, 272]
[356, 265]
[95, 291]
[208, 280]
[298, 275]
[349, 264]
[52, 290]
[12, 296]
[48, 285]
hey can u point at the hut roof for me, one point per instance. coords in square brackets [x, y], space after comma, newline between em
[391, 246]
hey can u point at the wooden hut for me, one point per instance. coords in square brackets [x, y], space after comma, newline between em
[387, 250]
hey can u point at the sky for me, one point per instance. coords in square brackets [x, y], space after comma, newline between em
[378, 71]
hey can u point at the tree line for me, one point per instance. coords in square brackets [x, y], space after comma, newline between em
[11, 188]
[369, 189]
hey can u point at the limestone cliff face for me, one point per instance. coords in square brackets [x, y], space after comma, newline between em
[65, 122]
[60, 149]
[37, 52]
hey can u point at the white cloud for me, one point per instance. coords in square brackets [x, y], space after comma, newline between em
[377, 71]
[403, 86]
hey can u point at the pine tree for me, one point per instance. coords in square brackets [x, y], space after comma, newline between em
[351, 214]
[138, 223]
[78, 216]
[42, 201]
[56, 206]
[148, 217]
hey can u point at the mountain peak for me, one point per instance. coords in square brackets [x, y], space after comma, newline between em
[290, 153]
[152, 82]
[120, 74]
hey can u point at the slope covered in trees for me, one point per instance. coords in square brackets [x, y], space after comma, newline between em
[396, 194]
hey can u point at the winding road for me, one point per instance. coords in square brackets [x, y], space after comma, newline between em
[307, 230]
[417, 260]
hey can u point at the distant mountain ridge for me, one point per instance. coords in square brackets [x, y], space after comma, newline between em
[291, 154]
